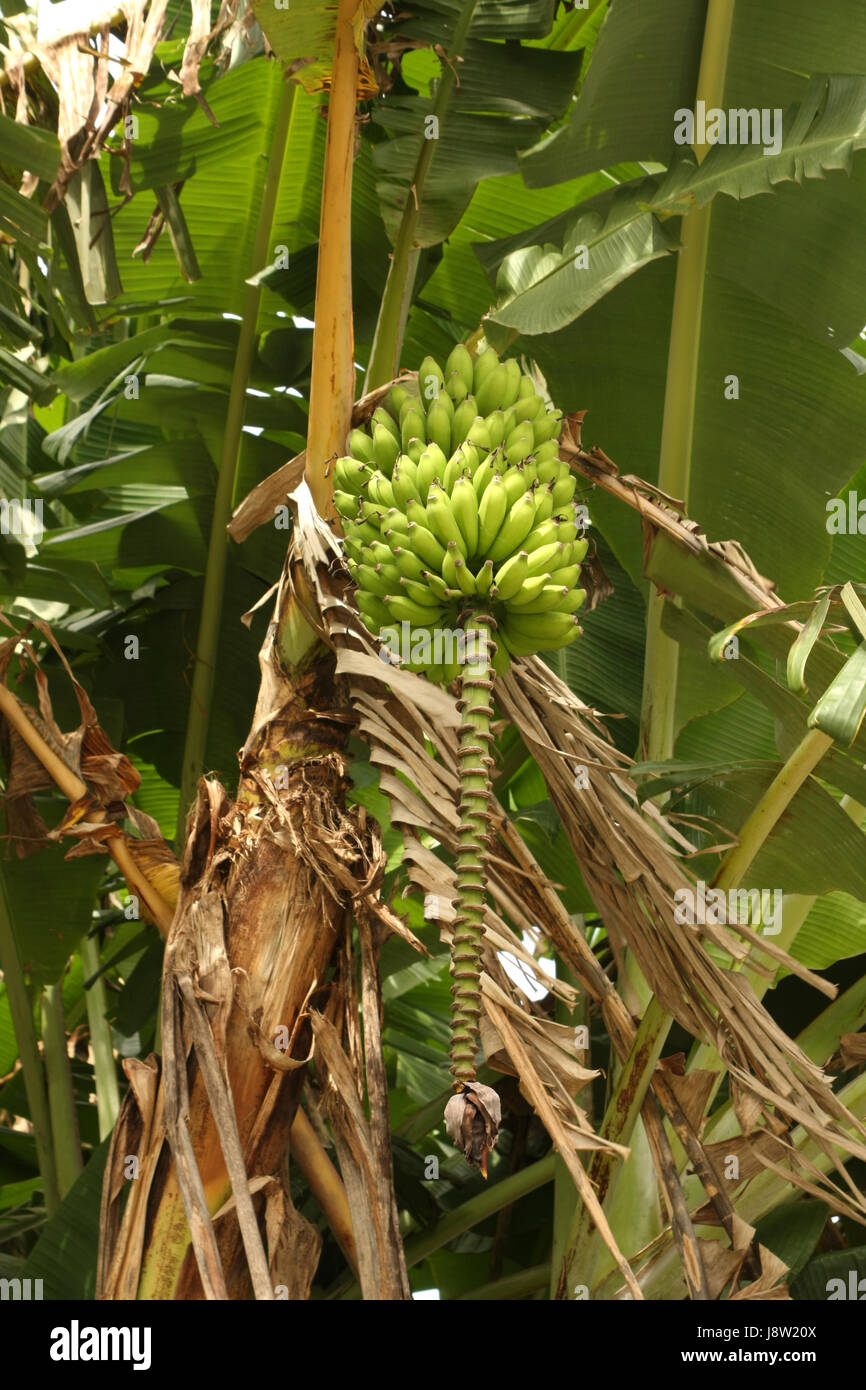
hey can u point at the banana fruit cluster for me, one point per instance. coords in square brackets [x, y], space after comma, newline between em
[454, 502]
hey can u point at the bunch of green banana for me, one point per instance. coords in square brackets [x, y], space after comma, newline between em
[459, 517]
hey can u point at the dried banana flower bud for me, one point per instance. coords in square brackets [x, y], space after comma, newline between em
[472, 1119]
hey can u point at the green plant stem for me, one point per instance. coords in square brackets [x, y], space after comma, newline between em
[470, 1214]
[475, 770]
[622, 1112]
[21, 1009]
[661, 666]
[105, 1071]
[404, 259]
[207, 642]
[61, 1098]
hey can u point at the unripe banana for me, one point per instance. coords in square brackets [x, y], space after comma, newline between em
[484, 578]
[461, 424]
[546, 451]
[431, 466]
[353, 547]
[491, 513]
[479, 434]
[347, 503]
[547, 597]
[364, 532]
[408, 563]
[449, 567]
[419, 592]
[439, 424]
[416, 449]
[510, 577]
[453, 471]
[394, 520]
[386, 447]
[350, 475]
[569, 575]
[383, 417]
[456, 571]
[496, 427]
[403, 483]
[440, 519]
[437, 585]
[372, 610]
[490, 393]
[377, 581]
[482, 476]
[516, 482]
[464, 505]
[546, 557]
[431, 380]
[578, 552]
[378, 554]
[544, 627]
[526, 388]
[456, 388]
[543, 503]
[460, 361]
[547, 427]
[542, 535]
[519, 449]
[379, 490]
[512, 382]
[485, 363]
[563, 491]
[416, 511]
[549, 470]
[406, 610]
[573, 601]
[567, 530]
[397, 398]
[527, 407]
[425, 545]
[414, 427]
[532, 586]
[361, 446]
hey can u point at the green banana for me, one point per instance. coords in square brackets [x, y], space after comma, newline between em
[381, 417]
[491, 513]
[431, 466]
[563, 491]
[460, 361]
[419, 592]
[408, 563]
[456, 388]
[485, 364]
[361, 446]
[385, 448]
[406, 610]
[461, 424]
[514, 530]
[464, 505]
[515, 481]
[372, 610]
[567, 576]
[438, 426]
[440, 519]
[403, 484]
[490, 393]
[414, 426]
[530, 589]
[544, 627]
[510, 577]
[543, 559]
[431, 379]
[546, 597]
[479, 434]
[424, 544]
[347, 503]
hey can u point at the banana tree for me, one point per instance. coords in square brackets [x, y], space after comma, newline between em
[440, 170]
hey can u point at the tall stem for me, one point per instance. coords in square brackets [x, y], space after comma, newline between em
[475, 764]
[661, 666]
[404, 260]
[207, 641]
[332, 379]
[21, 1008]
[61, 1098]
